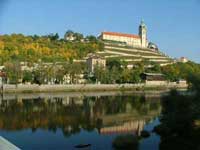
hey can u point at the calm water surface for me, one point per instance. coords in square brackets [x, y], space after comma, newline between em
[63, 121]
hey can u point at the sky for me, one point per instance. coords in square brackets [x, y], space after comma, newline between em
[174, 25]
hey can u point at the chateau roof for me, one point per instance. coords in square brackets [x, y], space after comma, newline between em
[122, 34]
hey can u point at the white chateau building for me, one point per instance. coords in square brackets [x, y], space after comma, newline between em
[130, 39]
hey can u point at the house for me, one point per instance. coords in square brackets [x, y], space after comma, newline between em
[183, 60]
[154, 78]
[95, 60]
[78, 79]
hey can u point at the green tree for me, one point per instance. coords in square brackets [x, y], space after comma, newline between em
[27, 76]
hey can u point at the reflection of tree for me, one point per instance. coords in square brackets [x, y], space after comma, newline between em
[53, 114]
[177, 129]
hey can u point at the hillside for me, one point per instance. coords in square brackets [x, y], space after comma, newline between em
[132, 55]
[49, 48]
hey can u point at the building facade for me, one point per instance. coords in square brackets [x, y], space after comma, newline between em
[153, 78]
[183, 60]
[94, 61]
[139, 40]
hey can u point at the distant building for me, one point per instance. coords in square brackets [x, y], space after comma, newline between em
[69, 36]
[130, 39]
[153, 46]
[183, 60]
[181, 82]
[94, 61]
[153, 78]
[78, 79]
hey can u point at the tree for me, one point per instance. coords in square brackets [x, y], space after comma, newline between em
[114, 63]
[13, 71]
[101, 74]
[126, 76]
[114, 75]
[27, 76]
[91, 38]
[73, 69]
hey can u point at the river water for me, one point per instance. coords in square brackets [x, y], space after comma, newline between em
[62, 121]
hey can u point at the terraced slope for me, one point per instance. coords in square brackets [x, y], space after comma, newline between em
[133, 54]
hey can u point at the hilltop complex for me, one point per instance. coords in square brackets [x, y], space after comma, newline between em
[129, 39]
[132, 48]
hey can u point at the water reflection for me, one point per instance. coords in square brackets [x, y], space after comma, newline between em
[63, 120]
[106, 114]
[180, 128]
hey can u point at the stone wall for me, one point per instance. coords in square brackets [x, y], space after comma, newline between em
[86, 87]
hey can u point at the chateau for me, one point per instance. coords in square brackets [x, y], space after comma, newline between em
[129, 48]
[139, 40]
[132, 48]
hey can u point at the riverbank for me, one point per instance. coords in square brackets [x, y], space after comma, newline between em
[34, 88]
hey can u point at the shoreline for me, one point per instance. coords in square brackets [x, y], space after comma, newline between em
[66, 95]
[34, 88]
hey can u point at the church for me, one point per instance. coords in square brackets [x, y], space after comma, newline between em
[139, 40]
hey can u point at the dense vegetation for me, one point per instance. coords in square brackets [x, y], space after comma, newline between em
[181, 70]
[180, 121]
[50, 48]
[117, 74]
[18, 48]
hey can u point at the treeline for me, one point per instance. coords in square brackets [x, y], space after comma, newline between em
[116, 72]
[189, 71]
[49, 48]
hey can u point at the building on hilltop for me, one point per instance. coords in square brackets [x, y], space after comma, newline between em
[69, 36]
[139, 40]
[130, 48]
[153, 46]
[183, 60]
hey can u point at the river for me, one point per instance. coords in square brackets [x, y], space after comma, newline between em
[62, 121]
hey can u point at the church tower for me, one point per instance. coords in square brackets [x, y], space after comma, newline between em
[143, 34]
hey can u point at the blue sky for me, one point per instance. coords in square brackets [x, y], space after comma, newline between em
[173, 24]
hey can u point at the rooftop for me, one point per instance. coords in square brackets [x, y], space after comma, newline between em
[153, 74]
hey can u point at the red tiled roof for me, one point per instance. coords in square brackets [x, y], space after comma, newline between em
[121, 34]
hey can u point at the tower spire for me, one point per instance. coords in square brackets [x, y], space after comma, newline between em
[143, 33]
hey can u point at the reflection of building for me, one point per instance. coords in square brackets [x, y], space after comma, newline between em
[73, 112]
[94, 61]
[127, 127]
